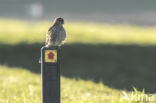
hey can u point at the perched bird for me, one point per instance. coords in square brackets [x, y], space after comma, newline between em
[56, 34]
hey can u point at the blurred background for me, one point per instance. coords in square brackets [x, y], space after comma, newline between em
[108, 41]
[111, 11]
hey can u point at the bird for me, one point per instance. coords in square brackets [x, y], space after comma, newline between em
[56, 34]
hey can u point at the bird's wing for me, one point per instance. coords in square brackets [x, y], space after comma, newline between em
[51, 34]
[47, 38]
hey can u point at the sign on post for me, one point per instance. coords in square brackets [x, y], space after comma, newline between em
[50, 69]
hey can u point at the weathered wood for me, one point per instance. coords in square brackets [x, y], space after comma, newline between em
[50, 75]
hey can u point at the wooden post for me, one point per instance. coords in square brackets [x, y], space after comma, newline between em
[50, 69]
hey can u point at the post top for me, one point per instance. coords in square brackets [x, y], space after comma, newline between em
[51, 47]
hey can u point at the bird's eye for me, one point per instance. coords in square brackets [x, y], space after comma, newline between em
[60, 20]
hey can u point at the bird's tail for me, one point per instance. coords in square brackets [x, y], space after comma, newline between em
[40, 60]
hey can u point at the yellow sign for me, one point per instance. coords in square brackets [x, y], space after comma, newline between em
[51, 56]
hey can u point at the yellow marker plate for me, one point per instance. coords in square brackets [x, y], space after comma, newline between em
[51, 56]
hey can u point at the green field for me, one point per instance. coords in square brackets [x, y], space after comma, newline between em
[22, 86]
[99, 62]
[16, 32]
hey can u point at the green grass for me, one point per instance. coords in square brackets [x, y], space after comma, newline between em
[22, 86]
[14, 32]
[98, 62]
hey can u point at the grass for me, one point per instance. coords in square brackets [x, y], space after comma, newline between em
[100, 62]
[19, 86]
[14, 32]
[22, 86]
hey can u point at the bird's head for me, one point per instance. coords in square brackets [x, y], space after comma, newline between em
[59, 20]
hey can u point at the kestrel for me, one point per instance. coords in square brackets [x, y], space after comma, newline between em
[56, 33]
